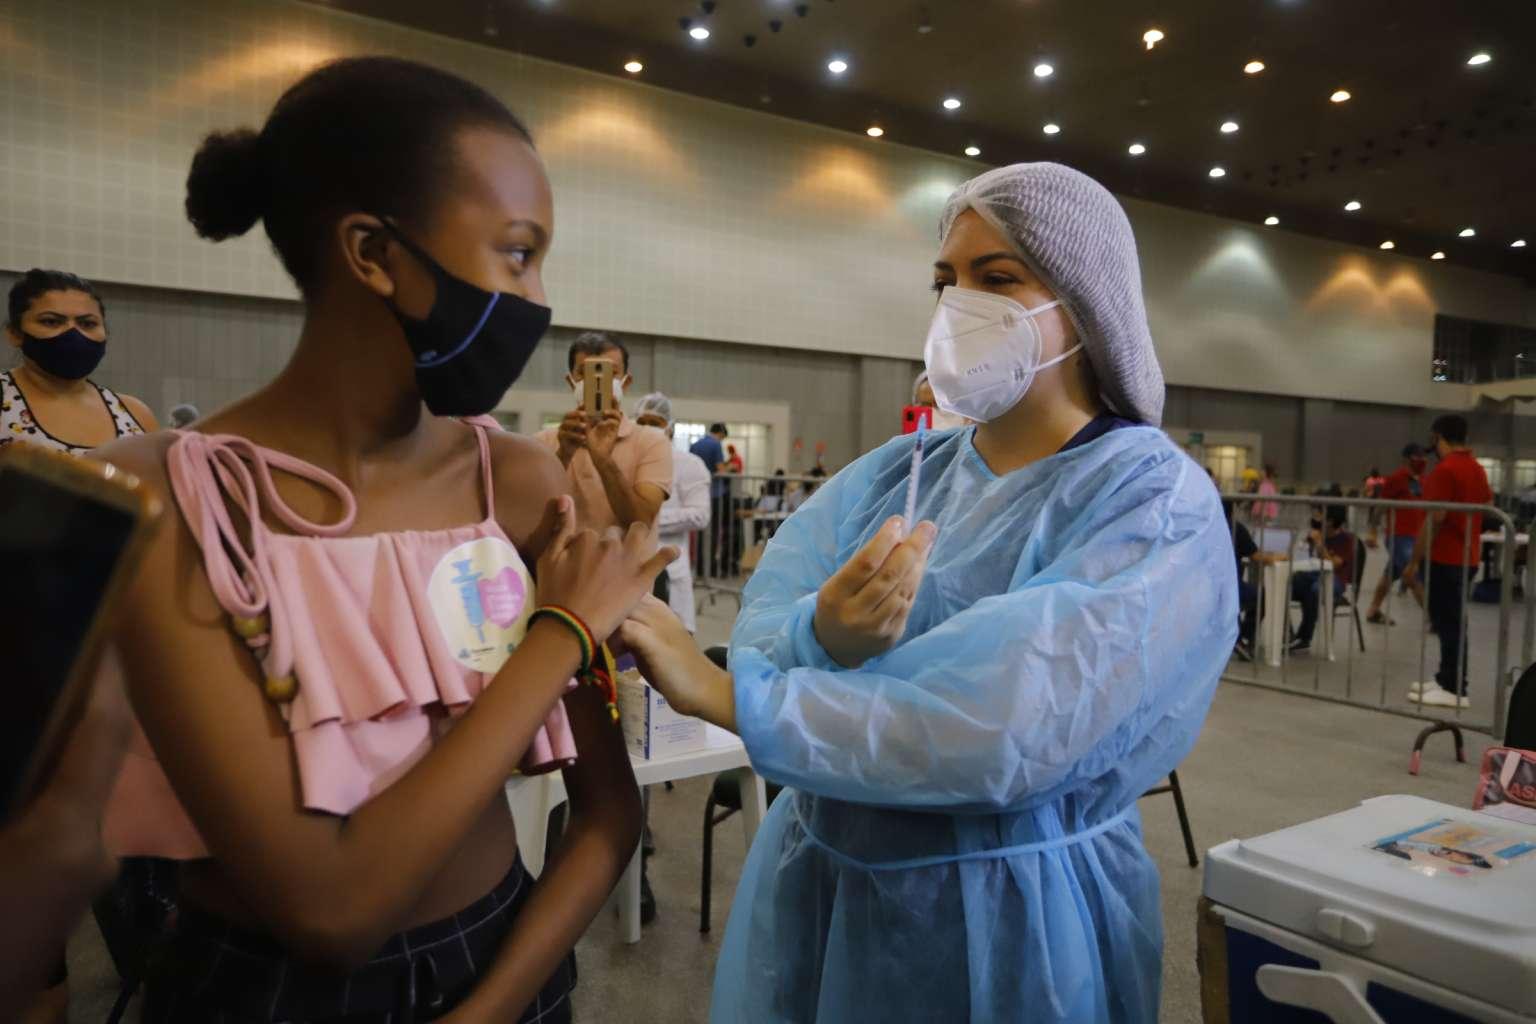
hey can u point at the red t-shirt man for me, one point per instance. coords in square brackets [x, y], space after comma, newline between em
[1460, 479]
[1403, 485]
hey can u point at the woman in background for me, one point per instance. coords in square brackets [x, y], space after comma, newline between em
[58, 324]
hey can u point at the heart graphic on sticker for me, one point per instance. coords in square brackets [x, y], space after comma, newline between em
[502, 597]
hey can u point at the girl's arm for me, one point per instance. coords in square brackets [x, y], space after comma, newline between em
[598, 845]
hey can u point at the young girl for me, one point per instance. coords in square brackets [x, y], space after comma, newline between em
[330, 650]
[967, 707]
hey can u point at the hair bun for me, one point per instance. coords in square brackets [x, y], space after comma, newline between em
[227, 185]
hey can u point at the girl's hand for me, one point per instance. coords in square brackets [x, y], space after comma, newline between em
[599, 578]
[862, 610]
[671, 661]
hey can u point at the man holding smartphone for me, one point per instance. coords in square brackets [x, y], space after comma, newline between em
[620, 471]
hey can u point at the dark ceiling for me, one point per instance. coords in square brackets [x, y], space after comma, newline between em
[1427, 144]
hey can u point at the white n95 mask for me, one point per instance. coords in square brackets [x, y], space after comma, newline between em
[983, 352]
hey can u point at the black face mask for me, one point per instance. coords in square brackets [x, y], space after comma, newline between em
[473, 343]
[67, 356]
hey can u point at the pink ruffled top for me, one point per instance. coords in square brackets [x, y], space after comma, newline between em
[376, 629]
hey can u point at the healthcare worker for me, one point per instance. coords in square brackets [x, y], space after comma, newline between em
[967, 715]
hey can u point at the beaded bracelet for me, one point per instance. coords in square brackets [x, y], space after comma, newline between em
[604, 682]
[572, 622]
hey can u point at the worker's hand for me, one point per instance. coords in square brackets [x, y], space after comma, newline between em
[603, 434]
[862, 610]
[572, 435]
[1410, 574]
[670, 660]
[1371, 541]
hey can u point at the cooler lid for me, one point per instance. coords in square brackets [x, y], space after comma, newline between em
[1438, 891]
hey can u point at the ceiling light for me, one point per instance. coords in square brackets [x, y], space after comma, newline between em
[1044, 70]
[1051, 128]
[1479, 58]
[1217, 172]
[1518, 243]
[1228, 127]
[973, 151]
[1136, 149]
[1466, 233]
[1388, 244]
[1152, 37]
[874, 131]
[837, 67]
[1253, 67]
[634, 67]
[1352, 205]
[1340, 96]
[1437, 255]
[699, 32]
[1271, 221]
[951, 103]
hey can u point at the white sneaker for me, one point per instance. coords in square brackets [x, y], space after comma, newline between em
[1436, 695]
[1415, 688]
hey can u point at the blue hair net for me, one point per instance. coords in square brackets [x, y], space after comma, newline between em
[960, 841]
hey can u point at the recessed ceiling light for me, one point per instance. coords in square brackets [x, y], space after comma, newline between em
[699, 32]
[1466, 233]
[837, 66]
[1136, 149]
[1152, 37]
[1388, 244]
[634, 67]
[1479, 58]
[874, 131]
[1340, 96]
[1352, 205]
[951, 103]
[1217, 172]
[1437, 255]
[1044, 70]
[1228, 127]
[1271, 221]
[1253, 67]
[1518, 243]
[1051, 128]
[973, 151]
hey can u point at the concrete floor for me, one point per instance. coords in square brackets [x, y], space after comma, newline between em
[1265, 760]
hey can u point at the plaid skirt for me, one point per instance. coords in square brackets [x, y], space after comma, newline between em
[210, 972]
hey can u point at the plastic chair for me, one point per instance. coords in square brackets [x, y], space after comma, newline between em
[1172, 786]
[724, 801]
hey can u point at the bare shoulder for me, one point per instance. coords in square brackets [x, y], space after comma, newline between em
[141, 412]
[527, 476]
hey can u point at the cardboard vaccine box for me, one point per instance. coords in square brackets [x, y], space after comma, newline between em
[652, 729]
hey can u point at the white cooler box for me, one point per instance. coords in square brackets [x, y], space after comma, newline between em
[1399, 911]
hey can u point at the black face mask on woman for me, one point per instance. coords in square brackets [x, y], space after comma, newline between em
[473, 344]
[67, 356]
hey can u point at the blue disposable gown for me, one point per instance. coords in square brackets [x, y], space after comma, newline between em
[960, 841]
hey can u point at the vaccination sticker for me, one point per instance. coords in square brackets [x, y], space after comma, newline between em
[482, 595]
[1457, 849]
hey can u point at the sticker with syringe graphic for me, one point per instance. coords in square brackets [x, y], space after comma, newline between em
[481, 593]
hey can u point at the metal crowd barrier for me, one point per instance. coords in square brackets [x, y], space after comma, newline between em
[745, 512]
[1377, 677]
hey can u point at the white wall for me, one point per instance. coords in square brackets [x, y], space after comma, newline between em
[676, 216]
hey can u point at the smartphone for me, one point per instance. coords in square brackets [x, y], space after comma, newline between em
[71, 533]
[913, 414]
[597, 386]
